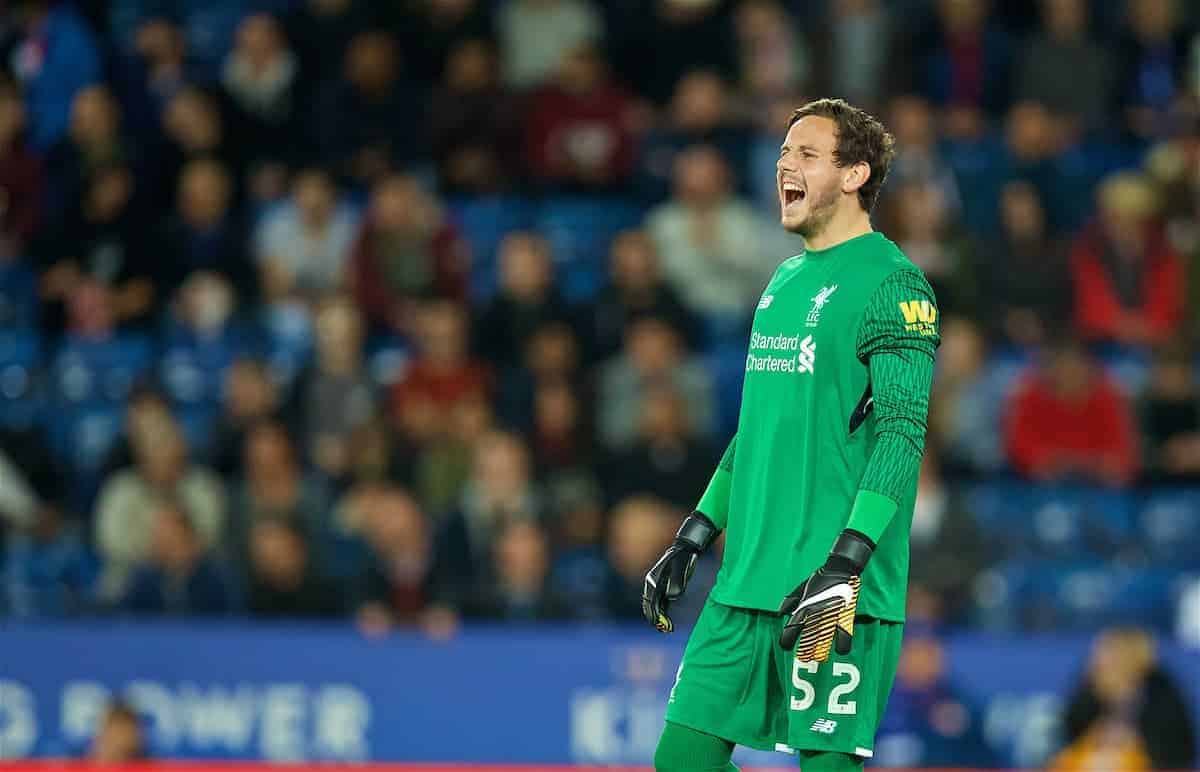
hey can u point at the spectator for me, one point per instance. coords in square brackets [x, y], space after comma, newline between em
[519, 589]
[103, 237]
[552, 354]
[149, 78]
[130, 499]
[1068, 421]
[119, 737]
[1127, 712]
[579, 568]
[46, 569]
[193, 130]
[321, 31]
[561, 439]
[640, 529]
[968, 400]
[303, 247]
[397, 584]
[441, 376]
[442, 466]
[947, 552]
[919, 156]
[935, 725]
[700, 113]
[336, 395]
[921, 223]
[273, 487]
[774, 60]
[260, 79]
[21, 177]
[535, 36]
[964, 63]
[1064, 68]
[180, 578]
[431, 30]
[1128, 278]
[579, 132]
[204, 233]
[528, 299]
[406, 250]
[1151, 56]
[653, 354]
[55, 57]
[859, 51]
[1171, 419]
[710, 240]
[249, 397]
[474, 123]
[284, 584]
[92, 142]
[376, 456]
[500, 490]
[636, 288]
[667, 457]
[1025, 272]
[656, 48]
[363, 123]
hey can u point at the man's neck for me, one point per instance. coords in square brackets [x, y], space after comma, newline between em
[842, 227]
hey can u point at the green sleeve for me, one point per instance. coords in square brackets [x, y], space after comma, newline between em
[714, 504]
[897, 340]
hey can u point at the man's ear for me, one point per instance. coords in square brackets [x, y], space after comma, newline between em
[855, 177]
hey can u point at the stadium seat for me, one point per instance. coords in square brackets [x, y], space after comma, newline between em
[192, 369]
[1169, 526]
[485, 222]
[387, 356]
[288, 335]
[20, 395]
[1052, 521]
[580, 232]
[18, 296]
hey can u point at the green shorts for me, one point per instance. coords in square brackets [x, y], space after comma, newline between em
[736, 683]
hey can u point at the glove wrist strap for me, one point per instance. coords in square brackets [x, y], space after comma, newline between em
[850, 552]
[697, 532]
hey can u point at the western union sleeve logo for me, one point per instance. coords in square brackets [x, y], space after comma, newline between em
[919, 316]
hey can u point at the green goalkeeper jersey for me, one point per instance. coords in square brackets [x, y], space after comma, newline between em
[832, 425]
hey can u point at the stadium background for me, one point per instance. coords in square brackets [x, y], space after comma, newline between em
[356, 358]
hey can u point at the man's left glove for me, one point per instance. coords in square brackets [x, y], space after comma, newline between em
[667, 579]
[821, 610]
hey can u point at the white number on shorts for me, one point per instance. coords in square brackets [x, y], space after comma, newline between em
[850, 707]
[807, 692]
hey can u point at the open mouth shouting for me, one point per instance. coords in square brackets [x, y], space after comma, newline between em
[792, 193]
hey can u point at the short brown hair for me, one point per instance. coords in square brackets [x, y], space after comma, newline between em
[861, 138]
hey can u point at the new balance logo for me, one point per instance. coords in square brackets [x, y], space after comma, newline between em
[766, 301]
[824, 726]
[807, 355]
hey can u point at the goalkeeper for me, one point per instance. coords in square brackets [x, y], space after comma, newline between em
[797, 645]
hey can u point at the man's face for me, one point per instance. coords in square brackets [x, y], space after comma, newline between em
[809, 182]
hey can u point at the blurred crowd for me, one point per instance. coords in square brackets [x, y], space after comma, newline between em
[419, 310]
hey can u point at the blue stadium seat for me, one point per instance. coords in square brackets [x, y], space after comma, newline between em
[192, 368]
[580, 232]
[90, 384]
[1169, 526]
[18, 296]
[728, 366]
[1052, 521]
[1056, 594]
[485, 222]
[20, 395]
[288, 341]
[387, 356]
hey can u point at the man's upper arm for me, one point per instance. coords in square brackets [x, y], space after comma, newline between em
[902, 315]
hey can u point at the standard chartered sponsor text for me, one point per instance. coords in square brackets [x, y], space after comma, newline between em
[800, 362]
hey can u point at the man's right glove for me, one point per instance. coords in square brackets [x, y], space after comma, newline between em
[668, 578]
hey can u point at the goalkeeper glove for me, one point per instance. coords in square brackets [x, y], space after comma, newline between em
[667, 579]
[821, 610]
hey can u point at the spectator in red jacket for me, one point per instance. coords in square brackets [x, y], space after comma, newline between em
[441, 377]
[1129, 281]
[579, 132]
[405, 250]
[1068, 422]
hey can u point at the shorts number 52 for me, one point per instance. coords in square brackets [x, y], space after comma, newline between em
[808, 693]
